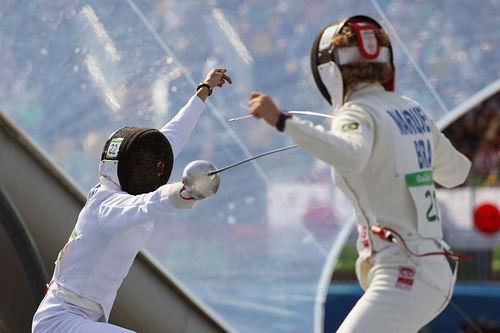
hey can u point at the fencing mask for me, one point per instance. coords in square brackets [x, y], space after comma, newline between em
[142, 158]
[326, 60]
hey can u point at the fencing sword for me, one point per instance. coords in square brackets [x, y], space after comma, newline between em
[274, 151]
[240, 118]
[201, 178]
[307, 113]
[311, 113]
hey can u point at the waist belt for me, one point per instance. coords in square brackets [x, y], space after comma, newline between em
[75, 299]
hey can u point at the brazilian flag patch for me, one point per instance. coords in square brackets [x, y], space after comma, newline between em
[349, 127]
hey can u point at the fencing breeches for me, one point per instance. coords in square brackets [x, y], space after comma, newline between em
[57, 316]
[403, 293]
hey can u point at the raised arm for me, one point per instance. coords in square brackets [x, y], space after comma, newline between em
[179, 129]
[347, 147]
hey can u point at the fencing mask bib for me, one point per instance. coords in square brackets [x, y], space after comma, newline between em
[326, 59]
[142, 158]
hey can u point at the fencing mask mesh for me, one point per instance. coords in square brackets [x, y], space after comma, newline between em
[144, 156]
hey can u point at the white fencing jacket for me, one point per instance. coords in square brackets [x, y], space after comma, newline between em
[385, 153]
[114, 226]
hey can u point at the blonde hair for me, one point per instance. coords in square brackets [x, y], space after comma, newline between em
[362, 71]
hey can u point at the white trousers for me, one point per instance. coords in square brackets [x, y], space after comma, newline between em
[57, 316]
[403, 293]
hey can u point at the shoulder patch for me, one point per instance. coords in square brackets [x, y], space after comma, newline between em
[350, 126]
[74, 234]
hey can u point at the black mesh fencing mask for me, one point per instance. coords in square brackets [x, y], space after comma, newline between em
[144, 156]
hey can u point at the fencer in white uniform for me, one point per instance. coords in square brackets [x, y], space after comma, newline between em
[386, 153]
[117, 219]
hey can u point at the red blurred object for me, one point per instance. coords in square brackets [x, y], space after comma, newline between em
[487, 218]
[319, 217]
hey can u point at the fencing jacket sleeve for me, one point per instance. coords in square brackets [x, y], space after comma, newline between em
[347, 147]
[179, 129]
[122, 211]
[450, 168]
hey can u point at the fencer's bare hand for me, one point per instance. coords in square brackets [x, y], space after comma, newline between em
[217, 77]
[262, 106]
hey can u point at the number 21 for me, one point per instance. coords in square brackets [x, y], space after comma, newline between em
[432, 214]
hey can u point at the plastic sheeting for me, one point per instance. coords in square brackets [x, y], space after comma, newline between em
[73, 71]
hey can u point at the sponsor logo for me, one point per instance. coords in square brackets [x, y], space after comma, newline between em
[405, 278]
[424, 178]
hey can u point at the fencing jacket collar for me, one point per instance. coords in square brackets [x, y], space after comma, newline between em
[363, 88]
[108, 175]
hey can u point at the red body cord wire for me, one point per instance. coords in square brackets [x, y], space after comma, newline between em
[393, 236]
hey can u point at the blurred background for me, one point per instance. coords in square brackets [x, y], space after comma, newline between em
[273, 250]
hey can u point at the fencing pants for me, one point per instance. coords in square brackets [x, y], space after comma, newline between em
[54, 315]
[402, 293]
